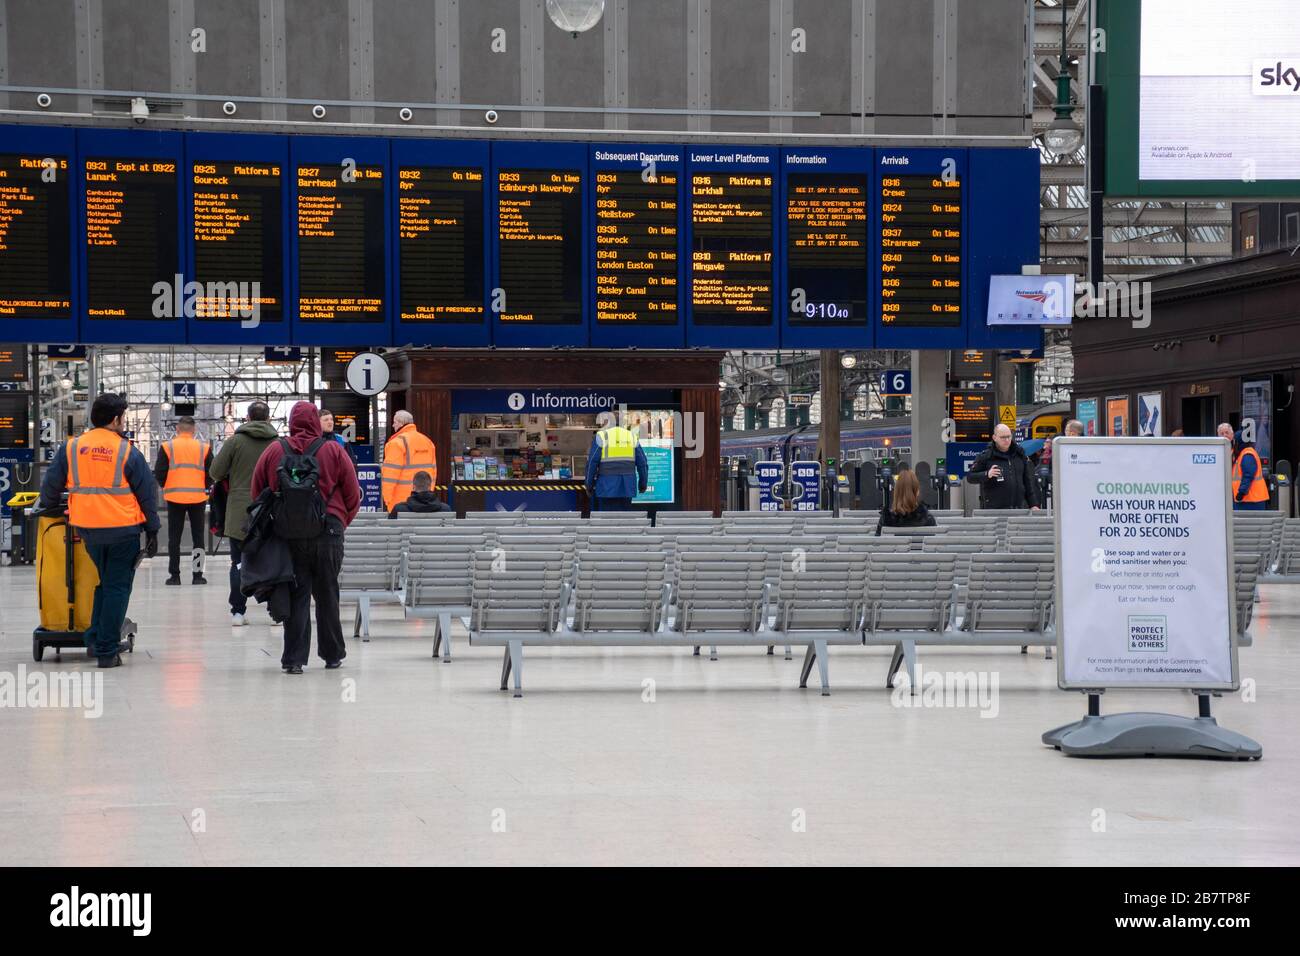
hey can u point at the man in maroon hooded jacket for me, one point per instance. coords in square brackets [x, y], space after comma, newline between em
[316, 561]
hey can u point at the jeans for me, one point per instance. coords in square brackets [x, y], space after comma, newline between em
[238, 603]
[611, 504]
[116, 566]
[176, 515]
[1249, 505]
[316, 563]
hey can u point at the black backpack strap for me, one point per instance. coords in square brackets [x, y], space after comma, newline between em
[284, 443]
[315, 446]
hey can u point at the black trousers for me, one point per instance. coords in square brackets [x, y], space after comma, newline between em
[176, 515]
[238, 603]
[316, 563]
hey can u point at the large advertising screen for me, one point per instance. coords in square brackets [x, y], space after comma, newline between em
[1202, 97]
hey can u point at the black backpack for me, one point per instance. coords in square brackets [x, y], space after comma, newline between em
[299, 508]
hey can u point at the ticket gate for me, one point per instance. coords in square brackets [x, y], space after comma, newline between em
[1282, 495]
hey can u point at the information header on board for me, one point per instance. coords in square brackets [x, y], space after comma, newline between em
[1144, 563]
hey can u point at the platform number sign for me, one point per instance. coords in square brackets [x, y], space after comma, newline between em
[367, 373]
[895, 383]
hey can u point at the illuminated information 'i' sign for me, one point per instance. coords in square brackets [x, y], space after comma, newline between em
[636, 247]
[539, 229]
[920, 251]
[35, 265]
[238, 240]
[731, 255]
[131, 238]
[826, 247]
[440, 244]
[341, 243]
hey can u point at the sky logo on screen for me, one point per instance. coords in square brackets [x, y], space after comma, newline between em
[1276, 77]
[1209, 459]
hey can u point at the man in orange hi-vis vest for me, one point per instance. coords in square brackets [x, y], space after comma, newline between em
[182, 468]
[405, 453]
[112, 497]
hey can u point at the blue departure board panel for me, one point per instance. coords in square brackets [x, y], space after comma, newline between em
[1002, 236]
[131, 257]
[38, 233]
[638, 207]
[732, 237]
[340, 247]
[154, 237]
[827, 218]
[237, 204]
[440, 208]
[538, 294]
[920, 251]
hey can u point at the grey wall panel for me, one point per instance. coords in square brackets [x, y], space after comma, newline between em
[485, 77]
[137, 45]
[992, 78]
[904, 56]
[741, 35]
[405, 45]
[316, 54]
[232, 63]
[574, 73]
[823, 74]
[657, 62]
[41, 39]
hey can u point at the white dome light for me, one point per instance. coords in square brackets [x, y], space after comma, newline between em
[575, 16]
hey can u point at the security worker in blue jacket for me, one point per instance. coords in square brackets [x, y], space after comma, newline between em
[616, 469]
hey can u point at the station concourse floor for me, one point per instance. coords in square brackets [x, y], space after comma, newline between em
[207, 754]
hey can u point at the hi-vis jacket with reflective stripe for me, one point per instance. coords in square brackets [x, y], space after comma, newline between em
[186, 477]
[1257, 489]
[616, 465]
[404, 454]
[99, 495]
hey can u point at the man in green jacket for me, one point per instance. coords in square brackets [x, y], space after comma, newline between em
[235, 463]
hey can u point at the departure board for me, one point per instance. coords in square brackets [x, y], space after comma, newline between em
[341, 267]
[351, 415]
[539, 231]
[636, 247]
[13, 363]
[920, 251]
[35, 251]
[970, 365]
[731, 248]
[15, 420]
[334, 363]
[238, 240]
[131, 238]
[973, 413]
[440, 244]
[826, 247]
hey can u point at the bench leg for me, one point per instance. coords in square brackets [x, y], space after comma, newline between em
[909, 661]
[895, 661]
[356, 621]
[713, 652]
[1024, 648]
[517, 665]
[809, 655]
[788, 657]
[697, 650]
[437, 639]
[824, 667]
[771, 649]
[505, 667]
[1048, 656]
[444, 629]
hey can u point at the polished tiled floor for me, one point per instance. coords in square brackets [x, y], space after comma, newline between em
[207, 754]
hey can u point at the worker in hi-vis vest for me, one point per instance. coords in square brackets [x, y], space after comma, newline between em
[616, 469]
[405, 453]
[182, 468]
[112, 497]
[1249, 487]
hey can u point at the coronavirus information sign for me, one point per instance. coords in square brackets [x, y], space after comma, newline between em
[1144, 563]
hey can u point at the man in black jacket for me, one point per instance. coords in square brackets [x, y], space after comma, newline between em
[422, 500]
[1004, 474]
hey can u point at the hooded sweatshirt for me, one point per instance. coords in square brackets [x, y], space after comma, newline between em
[338, 477]
[234, 464]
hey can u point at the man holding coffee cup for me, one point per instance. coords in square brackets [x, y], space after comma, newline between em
[1004, 474]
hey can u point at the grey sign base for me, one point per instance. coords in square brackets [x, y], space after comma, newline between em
[1151, 735]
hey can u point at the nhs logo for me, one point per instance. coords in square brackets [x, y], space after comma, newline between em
[1210, 459]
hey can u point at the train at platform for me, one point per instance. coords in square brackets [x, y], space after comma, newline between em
[877, 439]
